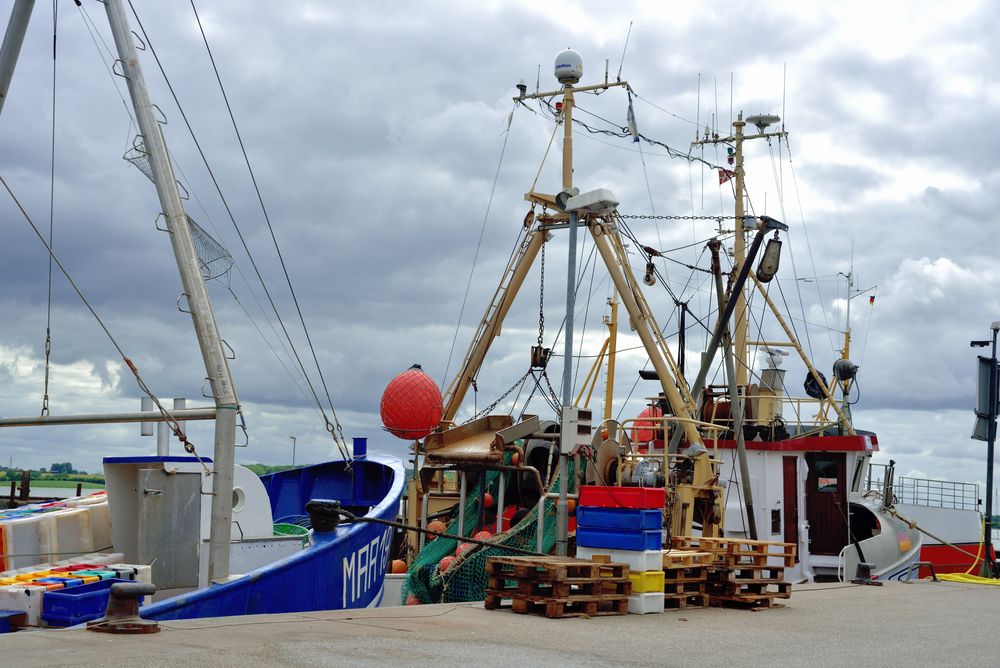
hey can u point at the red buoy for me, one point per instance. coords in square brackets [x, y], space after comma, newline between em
[411, 405]
[643, 430]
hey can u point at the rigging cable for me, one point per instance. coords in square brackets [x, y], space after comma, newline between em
[52, 200]
[95, 34]
[479, 243]
[337, 437]
[167, 416]
[335, 429]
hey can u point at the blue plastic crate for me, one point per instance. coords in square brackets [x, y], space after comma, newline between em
[631, 519]
[76, 605]
[616, 539]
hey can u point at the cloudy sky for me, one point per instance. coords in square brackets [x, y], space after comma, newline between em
[376, 131]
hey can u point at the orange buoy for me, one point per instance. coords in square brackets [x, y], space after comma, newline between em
[464, 547]
[398, 566]
[445, 563]
[436, 525]
[411, 405]
[412, 600]
[644, 431]
[515, 459]
[488, 500]
[483, 535]
[570, 505]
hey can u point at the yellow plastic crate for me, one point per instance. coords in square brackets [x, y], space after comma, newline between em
[646, 581]
[87, 579]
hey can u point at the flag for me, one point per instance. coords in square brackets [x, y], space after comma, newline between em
[871, 299]
[725, 175]
[630, 120]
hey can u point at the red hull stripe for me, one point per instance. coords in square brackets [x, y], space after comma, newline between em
[947, 559]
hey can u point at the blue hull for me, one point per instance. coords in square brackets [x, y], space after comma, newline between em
[342, 569]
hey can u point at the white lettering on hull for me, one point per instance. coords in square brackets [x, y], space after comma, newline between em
[365, 567]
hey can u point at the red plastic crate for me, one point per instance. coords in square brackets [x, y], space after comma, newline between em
[623, 497]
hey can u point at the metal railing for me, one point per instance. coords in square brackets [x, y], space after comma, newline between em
[926, 492]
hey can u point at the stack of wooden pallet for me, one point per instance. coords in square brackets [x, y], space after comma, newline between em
[685, 578]
[744, 573]
[558, 586]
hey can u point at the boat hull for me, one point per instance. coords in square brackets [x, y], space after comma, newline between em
[341, 569]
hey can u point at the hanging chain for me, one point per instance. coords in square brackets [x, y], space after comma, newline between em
[541, 300]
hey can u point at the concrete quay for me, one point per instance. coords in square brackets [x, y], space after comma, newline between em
[920, 624]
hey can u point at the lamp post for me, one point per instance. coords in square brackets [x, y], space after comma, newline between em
[991, 432]
[293, 450]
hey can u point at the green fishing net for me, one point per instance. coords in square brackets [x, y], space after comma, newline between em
[465, 579]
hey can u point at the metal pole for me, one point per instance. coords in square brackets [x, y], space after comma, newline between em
[562, 508]
[740, 259]
[991, 434]
[293, 450]
[108, 418]
[735, 403]
[500, 491]
[216, 366]
[13, 38]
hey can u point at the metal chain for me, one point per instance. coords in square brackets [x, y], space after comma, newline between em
[506, 394]
[541, 300]
[652, 217]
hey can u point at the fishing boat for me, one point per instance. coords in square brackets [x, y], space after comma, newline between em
[212, 537]
[742, 459]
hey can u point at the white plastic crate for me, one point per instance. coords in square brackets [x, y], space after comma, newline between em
[645, 604]
[646, 560]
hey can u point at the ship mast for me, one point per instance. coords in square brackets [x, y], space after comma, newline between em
[741, 321]
[216, 365]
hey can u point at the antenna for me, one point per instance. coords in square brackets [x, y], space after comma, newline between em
[624, 48]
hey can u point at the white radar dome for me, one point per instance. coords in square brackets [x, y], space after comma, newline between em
[569, 67]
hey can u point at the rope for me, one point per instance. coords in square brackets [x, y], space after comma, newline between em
[913, 525]
[349, 518]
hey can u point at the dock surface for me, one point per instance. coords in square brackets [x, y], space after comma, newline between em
[924, 623]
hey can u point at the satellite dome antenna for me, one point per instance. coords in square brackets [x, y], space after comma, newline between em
[762, 121]
[568, 67]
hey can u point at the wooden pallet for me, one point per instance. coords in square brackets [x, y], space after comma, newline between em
[697, 574]
[677, 558]
[560, 589]
[686, 601]
[739, 551]
[563, 569]
[749, 573]
[748, 589]
[683, 588]
[554, 608]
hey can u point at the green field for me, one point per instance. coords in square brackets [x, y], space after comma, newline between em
[43, 482]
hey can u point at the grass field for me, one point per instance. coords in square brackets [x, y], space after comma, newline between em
[71, 484]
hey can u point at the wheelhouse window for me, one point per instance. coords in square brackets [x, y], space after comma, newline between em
[826, 477]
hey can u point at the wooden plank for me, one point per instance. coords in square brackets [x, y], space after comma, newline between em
[696, 574]
[676, 558]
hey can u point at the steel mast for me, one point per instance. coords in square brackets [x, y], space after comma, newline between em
[216, 366]
[13, 38]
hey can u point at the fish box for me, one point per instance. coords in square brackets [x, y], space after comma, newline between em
[644, 604]
[618, 539]
[637, 560]
[622, 497]
[25, 598]
[634, 519]
[646, 581]
[76, 605]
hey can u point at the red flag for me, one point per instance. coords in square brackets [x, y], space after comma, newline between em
[725, 175]
[871, 299]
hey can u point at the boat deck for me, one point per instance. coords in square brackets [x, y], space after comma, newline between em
[924, 623]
